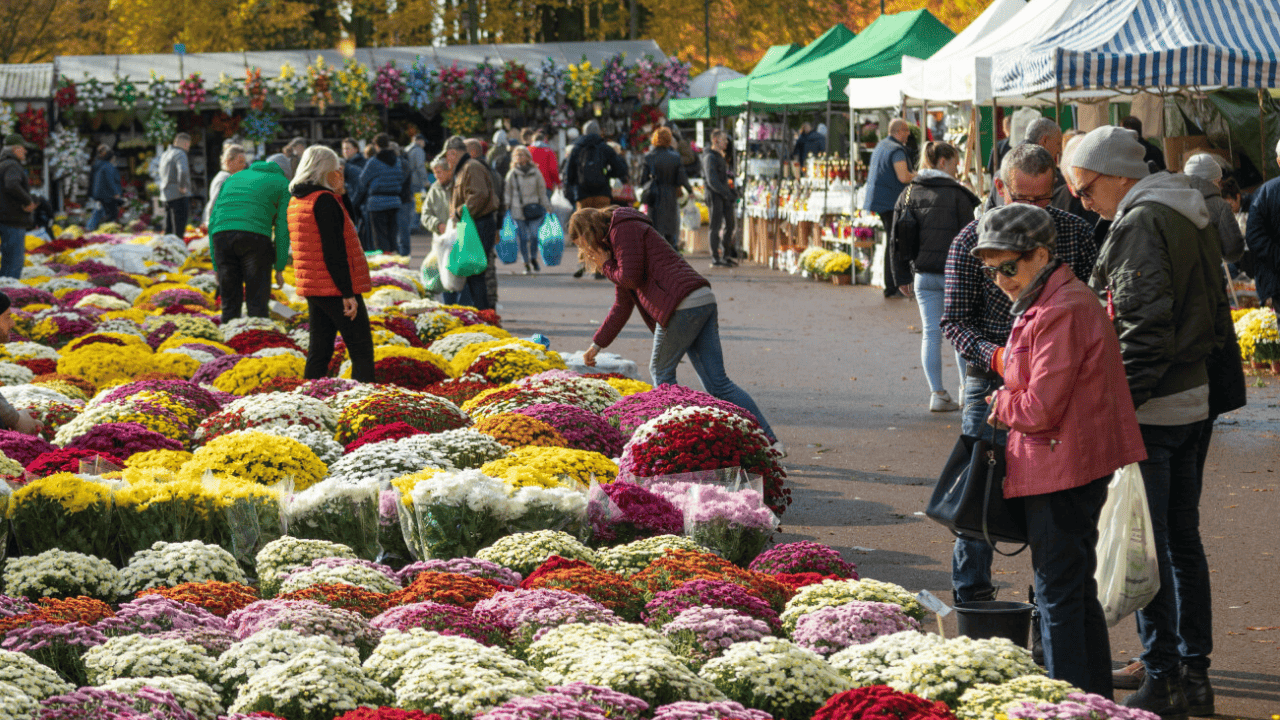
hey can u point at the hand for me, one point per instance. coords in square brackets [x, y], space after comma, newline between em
[589, 357]
[280, 278]
[350, 307]
[182, 189]
[27, 424]
[29, 208]
[992, 420]
[440, 229]
[906, 290]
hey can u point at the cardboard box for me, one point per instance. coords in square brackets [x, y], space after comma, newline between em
[1179, 148]
[696, 241]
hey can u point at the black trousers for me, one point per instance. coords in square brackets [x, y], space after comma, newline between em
[244, 261]
[327, 322]
[176, 213]
[721, 211]
[384, 228]
[890, 289]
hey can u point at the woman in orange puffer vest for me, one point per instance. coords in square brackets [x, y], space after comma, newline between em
[330, 270]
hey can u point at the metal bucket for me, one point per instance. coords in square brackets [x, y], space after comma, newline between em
[995, 618]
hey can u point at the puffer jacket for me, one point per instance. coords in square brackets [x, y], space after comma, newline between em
[942, 207]
[1160, 277]
[646, 272]
[525, 186]
[380, 183]
[15, 195]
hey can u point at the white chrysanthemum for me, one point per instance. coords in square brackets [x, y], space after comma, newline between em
[168, 564]
[313, 683]
[139, 656]
[193, 695]
[30, 677]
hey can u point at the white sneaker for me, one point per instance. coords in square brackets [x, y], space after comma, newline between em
[779, 448]
[942, 402]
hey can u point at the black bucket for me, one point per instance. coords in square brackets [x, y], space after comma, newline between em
[995, 618]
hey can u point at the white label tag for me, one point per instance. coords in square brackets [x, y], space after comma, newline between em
[933, 604]
[281, 309]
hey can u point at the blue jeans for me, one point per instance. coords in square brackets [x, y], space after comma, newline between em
[404, 224]
[971, 559]
[527, 232]
[696, 331]
[1176, 627]
[1062, 529]
[929, 293]
[13, 250]
[107, 211]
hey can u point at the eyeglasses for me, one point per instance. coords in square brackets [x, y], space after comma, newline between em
[1009, 268]
[1040, 201]
[1085, 192]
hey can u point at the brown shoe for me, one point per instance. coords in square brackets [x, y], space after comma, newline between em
[1130, 678]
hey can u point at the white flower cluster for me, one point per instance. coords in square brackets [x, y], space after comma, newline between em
[944, 671]
[311, 683]
[833, 593]
[15, 374]
[776, 676]
[871, 663]
[15, 704]
[563, 501]
[33, 350]
[632, 659]
[319, 441]
[384, 461]
[167, 564]
[339, 402]
[465, 448]
[139, 656]
[465, 488]
[9, 468]
[523, 552]
[60, 573]
[278, 351]
[32, 679]
[450, 345]
[290, 553]
[627, 560]
[985, 700]
[269, 647]
[103, 301]
[388, 296]
[273, 410]
[245, 324]
[591, 394]
[453, 676]
[194, 696]
[357, 575]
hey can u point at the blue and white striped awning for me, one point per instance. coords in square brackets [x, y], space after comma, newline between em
[1134, 44]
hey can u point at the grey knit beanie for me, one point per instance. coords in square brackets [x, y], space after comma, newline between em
[1111, 150]
[1202, 165]
[1017, 228]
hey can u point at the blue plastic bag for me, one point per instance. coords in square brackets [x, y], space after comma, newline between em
[508, 248]
[551, 240]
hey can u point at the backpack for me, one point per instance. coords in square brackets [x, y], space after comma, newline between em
[593, 166]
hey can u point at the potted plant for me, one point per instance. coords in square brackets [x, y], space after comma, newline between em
[1266, 355]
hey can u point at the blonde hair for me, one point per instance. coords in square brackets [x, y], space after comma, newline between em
[317, 162]
[519, 150]
[591, 227]
[229, 152]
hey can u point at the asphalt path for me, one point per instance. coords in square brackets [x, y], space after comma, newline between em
[837, 372]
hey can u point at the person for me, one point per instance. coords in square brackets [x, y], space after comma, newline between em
[1003, 145]
[808, 142]
[16, 206]
[233, 160]
[435, 209]
[942, 207]
[545, 158]
[526, 195]
[1263, 239]
[104, 188]
[353, 165]
[888, 174]
[587, 173]
[1047, 134]
[1159, 273]
[252, 206]
[1152, 155]
[499, 155]
[1064, 376]
[415, 160]
[330, 269]
[975, 318]
[721, 198]
[475, 148]
[175, 185]
[289, 156]
[674, 301]
[474, 189]
[1070, 142]
[379, 193]
[663, 178]
[12, 418]
[1206, 176]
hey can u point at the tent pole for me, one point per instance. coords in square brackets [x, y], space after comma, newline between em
[1057, 103]
[744, 162]
[784, 158]
[1262, 132]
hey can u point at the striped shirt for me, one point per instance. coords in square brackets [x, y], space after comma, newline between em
[976, 314]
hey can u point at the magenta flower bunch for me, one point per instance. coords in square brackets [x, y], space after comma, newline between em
[628, 512]
[702, 633]
[676, 77]
[575, 701]
[22, 448]
[389, 84]
[60, 647]
[210, 371]
[688, 710]
[473, 567]
[23, 295]
[75, 296]
[829, 630]
[123, 440]
[91, 703]
[12, 606]
[614, 78]
[616, 704]
[484, 80]
[804, 557]
[1077, 706]
[324, 388]
[152, 614]
[668, 604]
[635, 410]
[179, 296]
[444, 619]
[306, 617]
[584, 430]
[531, 613]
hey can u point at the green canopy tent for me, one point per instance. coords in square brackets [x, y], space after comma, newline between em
[731, 96]
[703, 108]
[876, 52]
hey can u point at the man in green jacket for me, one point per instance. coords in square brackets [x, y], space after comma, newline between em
[251, 205]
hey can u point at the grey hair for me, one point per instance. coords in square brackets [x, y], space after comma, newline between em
[1040, 129]
[317, 162]
[591, 128]
[456, 143]
[440, 161]
[1028, 159]
[297, 141]
[229, 152]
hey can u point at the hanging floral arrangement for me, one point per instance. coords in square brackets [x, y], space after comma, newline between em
[516, 84]
[320, 82]
[353, 83]
[191, 91]
[361, 123]
[643, 123]
[260, 126]
[91, 95]
[160, 127]
[453, 85]
[225, 124]
[289, 86]
[648, 80]
[676, 77]
[550, 82]
[159, 92]
[7, 118]
[583, 79]
[562, 117]
[485, 80]
[388, 86]
[419, 83]
[255, 88]
[463, 120]
[67, 153]
[614, 78]
[226, 92]
[33, 126]
[65, 96]
[126, 93]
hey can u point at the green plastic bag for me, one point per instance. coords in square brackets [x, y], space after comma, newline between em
[468, 257]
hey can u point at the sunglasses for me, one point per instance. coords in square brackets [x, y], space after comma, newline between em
[1085, 192]
[1009, 268]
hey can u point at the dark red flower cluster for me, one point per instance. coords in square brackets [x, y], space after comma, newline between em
[677, 567]
[407, 372]
[123, 440]
[795, 581]
[40, 366]
[643, 514]
[59, 246]
[576, 576]
[386, 713]
[93, 339]
[381, 433]
[67, 460]
[448, 588]
[344, 597]
[401, 326]
[277, 384]
[251, 341]
[219, 598]
[184, 309]
[881, 702]
[458, 390]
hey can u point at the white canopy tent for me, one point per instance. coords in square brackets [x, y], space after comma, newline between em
[705, 84]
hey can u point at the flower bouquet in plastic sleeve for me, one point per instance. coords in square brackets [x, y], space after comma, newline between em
[63, 511]
[252, 516]
[736, 525]
[171, 511]
[623, 512]
[457, 513]
[340, 512]
[542, 508]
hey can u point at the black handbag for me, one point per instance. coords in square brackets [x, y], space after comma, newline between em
[969, 499]
[533, 211]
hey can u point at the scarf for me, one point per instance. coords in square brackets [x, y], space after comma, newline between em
[1031, 293]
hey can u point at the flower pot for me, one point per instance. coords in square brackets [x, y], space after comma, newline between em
[864, 277]
[1275, 367]
[842, 279]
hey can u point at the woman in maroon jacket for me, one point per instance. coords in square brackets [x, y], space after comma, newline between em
[674, 300]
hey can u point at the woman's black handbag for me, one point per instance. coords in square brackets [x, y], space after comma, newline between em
[969, 499]
[533, 211]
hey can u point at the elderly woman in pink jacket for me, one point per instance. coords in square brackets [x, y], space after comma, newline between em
[1071, 425]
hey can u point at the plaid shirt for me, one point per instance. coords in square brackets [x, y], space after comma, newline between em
[975, 313]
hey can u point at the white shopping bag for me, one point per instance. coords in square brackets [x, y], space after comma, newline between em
[1128, 574]
[441, 246]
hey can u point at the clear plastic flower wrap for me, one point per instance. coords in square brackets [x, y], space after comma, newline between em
[172, 511]
[557, 508]
[457, 513]
[337, 511]
[66, 512]
[735, 524]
